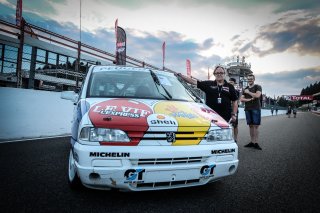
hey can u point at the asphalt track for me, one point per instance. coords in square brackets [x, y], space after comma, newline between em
[283, 177]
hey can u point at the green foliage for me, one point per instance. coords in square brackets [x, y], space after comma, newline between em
[310, 90]
[282, 102]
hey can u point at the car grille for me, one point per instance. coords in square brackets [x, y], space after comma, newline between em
[179, 136]
[167, 161]
[168, 184]
[188, 137]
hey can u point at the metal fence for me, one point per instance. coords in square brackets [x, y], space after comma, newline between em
[48, 60]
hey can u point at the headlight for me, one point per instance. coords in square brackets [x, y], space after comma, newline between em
[103, 134]
[219, 135]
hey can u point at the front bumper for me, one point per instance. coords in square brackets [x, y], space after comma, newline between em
[142, 168]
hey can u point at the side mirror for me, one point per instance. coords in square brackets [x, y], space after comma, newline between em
[69, 95]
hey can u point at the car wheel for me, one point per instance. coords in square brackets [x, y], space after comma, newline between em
[74, 180]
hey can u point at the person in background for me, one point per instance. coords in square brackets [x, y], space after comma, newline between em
[251, 97]
[294, 111]
[220, 95]
[289, 111]
[272, 111]
[233, 82]
[276, 110]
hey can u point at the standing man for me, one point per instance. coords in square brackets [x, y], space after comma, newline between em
[220, 95]
[233, 82]
[251, 97]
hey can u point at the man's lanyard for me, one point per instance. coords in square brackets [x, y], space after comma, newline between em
[219, 90]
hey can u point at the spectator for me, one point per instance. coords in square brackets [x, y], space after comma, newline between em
[251, 97]
[289, 111]
[220, 95]
[294, 111]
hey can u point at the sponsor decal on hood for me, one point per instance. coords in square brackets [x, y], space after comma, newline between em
[119, 112]
[139, 117]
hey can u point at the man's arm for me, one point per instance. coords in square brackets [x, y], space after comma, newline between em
[188, 79]
[243, 99]
[256, 94]
[234, 107]
[253, 94]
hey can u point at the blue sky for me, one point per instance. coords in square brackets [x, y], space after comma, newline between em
[280, 39]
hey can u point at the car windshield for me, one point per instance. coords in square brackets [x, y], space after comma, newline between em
[137, 84]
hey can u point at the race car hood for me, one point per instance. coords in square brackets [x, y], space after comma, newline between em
[142, 113]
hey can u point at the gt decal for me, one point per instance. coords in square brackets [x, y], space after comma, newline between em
[134, 175]
[207, 170]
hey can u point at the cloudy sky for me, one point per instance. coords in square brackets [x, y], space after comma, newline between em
[281, 39]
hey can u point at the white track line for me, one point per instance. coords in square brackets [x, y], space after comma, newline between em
[31, 139]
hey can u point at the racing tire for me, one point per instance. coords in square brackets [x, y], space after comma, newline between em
[73, 178]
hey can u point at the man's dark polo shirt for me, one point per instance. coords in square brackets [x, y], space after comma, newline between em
[227, 94]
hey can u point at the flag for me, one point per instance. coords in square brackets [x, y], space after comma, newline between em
[188, 63]
[18, 12]
[163, 53]
[121, 40]
[116, 29]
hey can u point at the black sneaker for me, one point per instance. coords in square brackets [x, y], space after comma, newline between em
[249, 145]
[256, 146]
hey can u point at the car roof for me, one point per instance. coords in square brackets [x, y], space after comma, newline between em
[101, 68]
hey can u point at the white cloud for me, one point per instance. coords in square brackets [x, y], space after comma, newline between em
[282, 61]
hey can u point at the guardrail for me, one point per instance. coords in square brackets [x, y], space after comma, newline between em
[55, 38]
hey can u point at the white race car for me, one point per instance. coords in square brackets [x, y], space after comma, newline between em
[139, 129]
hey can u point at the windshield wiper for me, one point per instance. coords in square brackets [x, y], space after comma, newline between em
[157, 83]
[189, 89]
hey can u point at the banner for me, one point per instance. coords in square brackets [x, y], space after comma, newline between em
[115, 29]
[121, 40]
[298, 97]
[163, 53]
[188, 63]
[18, 12]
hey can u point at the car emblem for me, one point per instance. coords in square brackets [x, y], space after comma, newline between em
[171, 137]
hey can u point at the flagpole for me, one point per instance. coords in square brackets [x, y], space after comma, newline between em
[80, 20]
[163, 53]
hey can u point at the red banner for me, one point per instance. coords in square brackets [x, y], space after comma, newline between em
[121, 46]
[18, 12]
[188, 63]
[115, 28]
[298, 97]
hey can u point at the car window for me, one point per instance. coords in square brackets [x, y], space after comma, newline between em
[135, 84]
